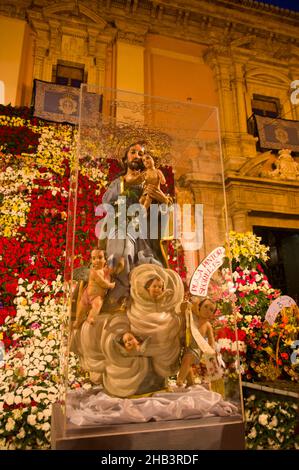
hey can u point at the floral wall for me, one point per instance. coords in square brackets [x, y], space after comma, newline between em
[36, 161]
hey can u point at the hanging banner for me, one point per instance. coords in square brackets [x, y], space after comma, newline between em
[277, 133]
[200, 280]
[60, 103]
[276, 306]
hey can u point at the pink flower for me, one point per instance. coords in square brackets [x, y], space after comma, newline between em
[34, 326]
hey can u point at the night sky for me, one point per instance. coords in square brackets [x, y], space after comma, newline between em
[289, 4]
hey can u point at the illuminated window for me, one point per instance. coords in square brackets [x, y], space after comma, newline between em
[266, 106]
[69, 74]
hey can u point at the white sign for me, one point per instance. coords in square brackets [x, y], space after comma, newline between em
[276, 306]
[200, 280]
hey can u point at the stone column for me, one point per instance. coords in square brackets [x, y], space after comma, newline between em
[40, 52]
[220, 60]
[247, 141]
[240, 221]
[239, 86]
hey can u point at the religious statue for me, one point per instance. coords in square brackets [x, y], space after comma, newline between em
[130, 341]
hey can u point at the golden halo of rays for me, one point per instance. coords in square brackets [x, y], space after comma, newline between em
[156, 143]
[110, 140]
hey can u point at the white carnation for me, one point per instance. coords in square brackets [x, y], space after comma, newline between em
[31, 419]
[9, 398]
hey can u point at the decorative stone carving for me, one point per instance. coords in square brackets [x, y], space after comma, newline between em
[286, 167]
[268, 165]
[131, 37]
[133, 34]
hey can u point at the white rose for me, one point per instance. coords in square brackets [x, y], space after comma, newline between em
[17, 399]
[52, 398]
[252, 433]
[46, 427]
[48, 358]
[9, 398]
[27, 392]
[40, 415]
[21, 433]
[263, 419]
[42, 396]
[10, 424]
[273, 423]
[47, 412]
[31, 419]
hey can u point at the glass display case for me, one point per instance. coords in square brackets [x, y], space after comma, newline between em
[148, 281]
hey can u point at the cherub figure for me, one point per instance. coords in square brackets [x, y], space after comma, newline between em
[155, 288]
[153, 177]
[198, 327]
[131, 345]
[99, 281]
[130, 342]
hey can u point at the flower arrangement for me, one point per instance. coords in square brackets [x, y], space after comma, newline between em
[31, 377]
[245, 249]
[270, 424]
[243, 300]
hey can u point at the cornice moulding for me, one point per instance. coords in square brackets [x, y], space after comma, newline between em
[232, 16]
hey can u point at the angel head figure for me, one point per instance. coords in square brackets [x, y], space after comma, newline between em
[130, 342]
[155, 287]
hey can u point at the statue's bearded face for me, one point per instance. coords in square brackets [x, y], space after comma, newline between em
[134, 155]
